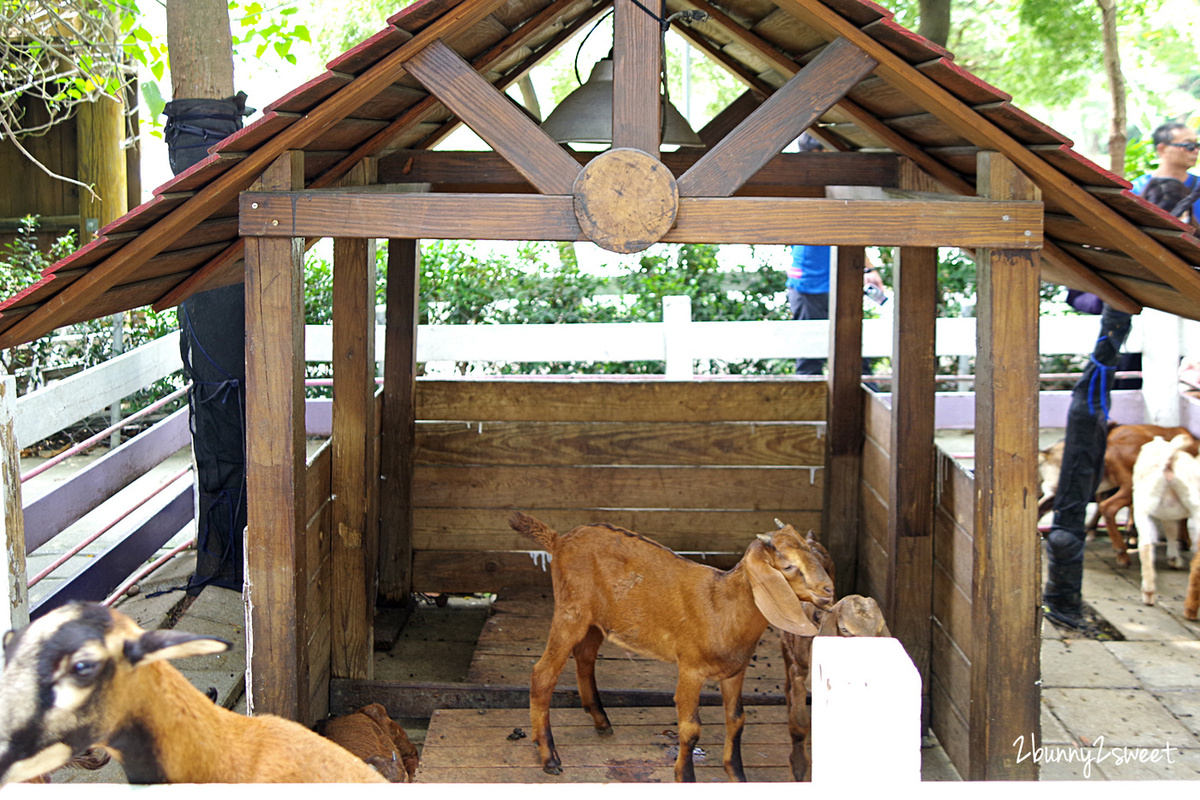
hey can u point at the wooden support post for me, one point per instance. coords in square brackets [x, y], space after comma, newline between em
[100, 133]
[355, 539]
[844, 418]
[1006, 599]
[637, 79]
[399, 421]
[911, 469]
[276, 563]
[12, 523]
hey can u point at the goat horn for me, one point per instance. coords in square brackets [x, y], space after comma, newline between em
[779, 524]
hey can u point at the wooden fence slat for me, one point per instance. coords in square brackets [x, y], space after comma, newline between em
[581, 443]
[53, 408]
[784, 399]
[486, 529]
[621, 487]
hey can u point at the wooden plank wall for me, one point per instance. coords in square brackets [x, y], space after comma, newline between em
[698, 465]
[318, 537]
[953, 566]
[873, 529]
[953, 559]
[318, 532]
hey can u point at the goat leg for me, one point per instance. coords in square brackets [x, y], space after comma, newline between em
[541, 688]
[585, 678]
[795, 670]
[735, 722]
[687, 706]
[1108, 508]
[1191, 603]
[1147, 537]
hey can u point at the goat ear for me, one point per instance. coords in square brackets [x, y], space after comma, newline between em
[774, 596]
[161, 645]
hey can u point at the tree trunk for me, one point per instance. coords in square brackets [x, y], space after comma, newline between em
[1116, 86]
[201, 48]
[935, 21]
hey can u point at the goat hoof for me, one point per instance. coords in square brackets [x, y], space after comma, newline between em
[605, 731]
[1175, 562]
[553, 768]
[1148, 598]
[1123, 558]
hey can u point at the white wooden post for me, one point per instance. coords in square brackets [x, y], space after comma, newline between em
[866, 712]
[1160, 366]
[677, 317]
[12, 522]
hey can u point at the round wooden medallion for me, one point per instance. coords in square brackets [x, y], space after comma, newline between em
[625, 200]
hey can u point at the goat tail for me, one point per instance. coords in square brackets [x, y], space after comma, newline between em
[534, 529]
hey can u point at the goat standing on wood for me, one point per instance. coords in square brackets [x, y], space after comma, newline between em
[85, 675]
[1166, 486]
[613, 583]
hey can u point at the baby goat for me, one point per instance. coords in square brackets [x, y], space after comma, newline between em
[85, 675]
[613, 583]
[853, 615]
[376, 738]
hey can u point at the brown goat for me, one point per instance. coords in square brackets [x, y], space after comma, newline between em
[853, 615]
[376, 738]
[84, 675]
[613, 583]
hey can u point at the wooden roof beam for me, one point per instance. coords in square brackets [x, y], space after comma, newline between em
[947, 177]
[543, 52]
[225, 188]
[637, 78]
[496, 119]
[780, 119]
[969, 223]
[485, 167]
[378, 142]
[861, 117]
[960, 117]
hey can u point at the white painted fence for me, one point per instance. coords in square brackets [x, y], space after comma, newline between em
[680, 342]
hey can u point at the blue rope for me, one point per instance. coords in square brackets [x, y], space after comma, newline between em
[1098, 387]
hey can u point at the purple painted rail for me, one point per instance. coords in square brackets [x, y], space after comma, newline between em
[54, 512]
[164, 517]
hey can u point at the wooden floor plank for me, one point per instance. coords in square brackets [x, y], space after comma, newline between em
[471, 746]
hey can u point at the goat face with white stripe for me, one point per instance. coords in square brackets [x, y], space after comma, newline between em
[60, 690]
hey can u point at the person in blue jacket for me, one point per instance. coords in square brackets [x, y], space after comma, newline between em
[1177, 150]
[808, 280]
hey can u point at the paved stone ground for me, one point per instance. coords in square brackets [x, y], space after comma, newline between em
[1101, 697]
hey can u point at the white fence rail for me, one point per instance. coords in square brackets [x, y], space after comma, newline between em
[680, 342]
